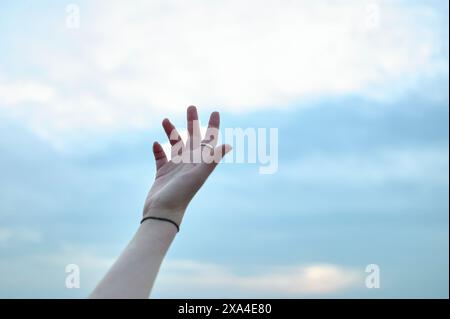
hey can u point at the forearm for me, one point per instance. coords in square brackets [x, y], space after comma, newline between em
[134, 272]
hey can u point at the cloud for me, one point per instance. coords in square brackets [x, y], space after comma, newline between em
[127, 65]
[187, 278]
[42, 274]
[24, 92]
[24, 235]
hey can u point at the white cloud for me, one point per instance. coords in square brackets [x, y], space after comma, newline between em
[17, 93]
[19, 235]
[185, 278]
[128, 65]
[42, 274]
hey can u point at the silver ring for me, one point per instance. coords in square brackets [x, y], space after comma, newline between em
[207, 145]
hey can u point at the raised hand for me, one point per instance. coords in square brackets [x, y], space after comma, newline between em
[177, 180]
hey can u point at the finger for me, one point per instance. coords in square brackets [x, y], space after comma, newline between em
[171, 132]
[160, 155]
[174, 138]
[219, 153]
[212, 132]
[193, 128]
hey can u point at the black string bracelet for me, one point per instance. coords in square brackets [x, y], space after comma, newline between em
[163, 219]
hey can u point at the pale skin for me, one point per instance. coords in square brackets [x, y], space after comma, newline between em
[176, 182]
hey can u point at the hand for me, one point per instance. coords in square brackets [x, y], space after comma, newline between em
[178, 180]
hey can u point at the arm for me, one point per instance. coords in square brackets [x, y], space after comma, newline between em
[176, 182]
[134, 272]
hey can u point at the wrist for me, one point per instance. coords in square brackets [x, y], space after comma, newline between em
[173, 214]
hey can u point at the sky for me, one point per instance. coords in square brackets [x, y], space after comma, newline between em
[358, 91]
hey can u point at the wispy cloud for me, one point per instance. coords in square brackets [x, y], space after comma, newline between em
[25, 92]
[187, 278]
[37, 275]
[19, 235]
[44, 274]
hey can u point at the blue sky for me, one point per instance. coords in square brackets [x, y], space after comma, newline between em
[358, 91]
